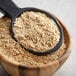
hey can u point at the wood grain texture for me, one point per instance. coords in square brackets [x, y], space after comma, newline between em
[47, 70]
[3, 71]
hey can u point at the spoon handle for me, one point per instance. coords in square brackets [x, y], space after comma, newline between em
[9, 8]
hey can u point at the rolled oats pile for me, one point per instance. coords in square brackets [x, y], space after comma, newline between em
[38, 37]
[36, 31]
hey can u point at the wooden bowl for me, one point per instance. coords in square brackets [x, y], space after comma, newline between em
[48, 70]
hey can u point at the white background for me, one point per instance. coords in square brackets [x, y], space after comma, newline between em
[66, 11]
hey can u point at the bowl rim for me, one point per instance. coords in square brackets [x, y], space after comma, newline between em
[68, 50]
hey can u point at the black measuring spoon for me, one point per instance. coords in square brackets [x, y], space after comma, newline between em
[12, 11]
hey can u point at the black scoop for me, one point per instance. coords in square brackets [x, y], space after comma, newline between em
[12, 11]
